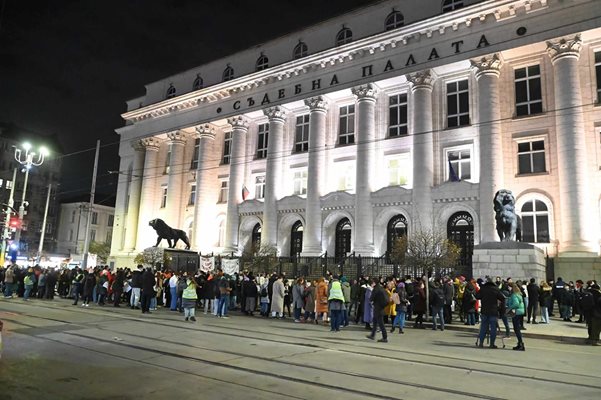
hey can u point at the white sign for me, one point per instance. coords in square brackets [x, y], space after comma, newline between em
[230, 267]
[207, 264]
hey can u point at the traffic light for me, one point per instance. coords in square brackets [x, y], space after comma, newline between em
[14, 223]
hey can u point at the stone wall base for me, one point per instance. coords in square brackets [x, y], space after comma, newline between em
[574, 268]
[509, 259]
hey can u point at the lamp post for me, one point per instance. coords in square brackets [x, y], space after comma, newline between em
[28, 158]
[9, 210]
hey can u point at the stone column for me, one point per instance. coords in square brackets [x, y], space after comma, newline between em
[133, 205]
[574, 198]
[145, 236]
[365, 167]
[202, 217]
[487, 70]
[423, 157]
[177, 140]
[239, 128]
[315, 176]
[273, 175]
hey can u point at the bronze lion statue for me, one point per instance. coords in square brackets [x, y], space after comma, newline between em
[164, 231]
[509, 224]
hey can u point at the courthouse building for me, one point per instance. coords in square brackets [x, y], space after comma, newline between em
[402, 116]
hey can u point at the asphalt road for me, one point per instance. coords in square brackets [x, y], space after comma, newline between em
[53, 350]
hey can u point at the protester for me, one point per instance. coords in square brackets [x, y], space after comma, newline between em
[490, 296]
[189, 298]
[277, 300]
[516, 305]
[336, 304]
[379, 300]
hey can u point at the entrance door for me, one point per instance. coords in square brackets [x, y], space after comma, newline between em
[256, 238]
[296, 239]
[460, 229]
[343, 238]
[397, 227]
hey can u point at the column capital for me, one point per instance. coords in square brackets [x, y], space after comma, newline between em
[205, 131]
[239, 122]
[421, 80]
[488, 65]
[317, 103]
[177, 137]
[365, 92]
[565, 48]
[275, 113]
[150, 143]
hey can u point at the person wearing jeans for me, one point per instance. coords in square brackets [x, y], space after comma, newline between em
[489, 296]
[224, 296]
[437, 303]
[173, 292]
[401, 303]
[517, 305]
[297, 298]
[379, 299]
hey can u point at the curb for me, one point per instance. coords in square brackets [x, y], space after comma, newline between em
[527, 335]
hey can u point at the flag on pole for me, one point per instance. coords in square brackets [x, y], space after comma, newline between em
[452, 174]
[245, 192]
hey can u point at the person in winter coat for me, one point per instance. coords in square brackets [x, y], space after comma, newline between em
[88, 287]
[390, 309]
[309, 301]
[368, 308]
[379, 299]
[399, 298]
[118, 287]
[595, 316]
[449, 294]
[9, 279]
[298, 291]
[544, 300]
[469, 304]
[533, 300]
[437, 304]
[277, 298]
[28, 282]
[147, 290]
[336, 304]
[264, 298]
[420, 305]
[516, 307]
[189, 298]
[566, 301]
[346, 291]
[250, 293]
[321, 300]
[490, 296]
[355, 298]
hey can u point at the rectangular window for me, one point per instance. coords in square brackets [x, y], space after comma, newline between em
[92, 235]
[73, 216]
[461, 162]
[168, 159]
[109, 236]
[192, 198]
[1, 182]
[398, 171]
[346, 129]
[528, 93]
[598, 74]
[227, 148]
[262, 138]
[163, 196]
[71, 235]
[531, 157]
[346, 176]
[194, 164]
[9, 184]
[111, 220]
[223, 192]
[260, 187]
[301, 138]
[458, 107]
[94, 218]
[300, 182]
[397, 115]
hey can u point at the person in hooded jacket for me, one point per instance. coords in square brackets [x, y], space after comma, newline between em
[469, 304]
[517, 307]
[490, 296]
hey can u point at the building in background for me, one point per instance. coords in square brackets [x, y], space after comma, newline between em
[393, 118]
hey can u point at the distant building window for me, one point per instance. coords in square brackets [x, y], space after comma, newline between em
[170, 92]
[94, 218]
[528, 94]
[451, 5]
[228, 74]
[71, 235]
[461, 162]
[394, 20]
[531, 157]
[73, 216]
[397, 115]
[168, 159]
[194, 164]
[262, 138]
[111, 220]
[300, 182]
[300, 50]
[192, 198]
[9, 184]
[198, 83]
[346, 130]
[109, 236]
[92, 235]
[344, 36]
[227, 148]
[164, 197]
[398, 170]
[535, 222]
[458, 107]
[346, 176]
[260, 187]
[223, 192]
[301, 137]
[598, 74]
[262, 63]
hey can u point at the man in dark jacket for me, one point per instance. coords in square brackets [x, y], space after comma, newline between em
[147, 290]
[489, 296]
[379, 299]
[533, 291]
[136, 287]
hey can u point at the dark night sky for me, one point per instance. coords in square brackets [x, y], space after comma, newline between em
[68, 66]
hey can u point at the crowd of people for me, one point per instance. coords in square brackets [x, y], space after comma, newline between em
[380, 304]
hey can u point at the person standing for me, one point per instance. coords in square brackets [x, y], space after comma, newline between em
[379, 300]
[224, 296]
[468, 304]
[401, 302]
[448, 290]
[9, 279]
[309, 301]
[189, 298]
[346, 291]
[516, 306]
[28, 282]
[490, 296]
[336, 304]
[249, 293]
[544, 300]
[594, 316]
[77, 282]
[368, 308]
[298, 290]
[136, 287]
[437, 301]
[118, 287]
[88, 288]
[420, 304]
[173, 292]
[533, 300]
[321, 301]
[147, 290]
[277, 298]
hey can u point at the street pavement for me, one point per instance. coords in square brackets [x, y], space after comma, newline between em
[53, 350]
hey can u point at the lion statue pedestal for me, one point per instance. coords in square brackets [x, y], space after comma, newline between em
[509, 259]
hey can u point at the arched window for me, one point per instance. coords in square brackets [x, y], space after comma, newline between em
[397, 227]
[296, 239]
[460, 229]
[198, 84]
[300, 50]
[343, 238]
[394, 20]
[221, 237]
[262, 63]
[451, 5]
[228, 73]
[170, 91]
[256, 238]
[535, 222]
[344, 36]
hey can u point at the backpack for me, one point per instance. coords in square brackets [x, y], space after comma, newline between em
[264, 292]
[587, 301]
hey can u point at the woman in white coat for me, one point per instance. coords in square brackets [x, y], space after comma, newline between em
[277, 299]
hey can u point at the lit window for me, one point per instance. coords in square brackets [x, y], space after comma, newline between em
[111, 220]
[346, 176]
[1, 182]
[300, 182]
[398, 171]
[198, 83]
[170, 92]
[458, 108]
[598, 74]
[451, 5]
[461, 163]
[192, 198]
[300, 50]
[528, 95]
[346, 131]
[194, 164]
[397, 115]
[168, 159]
[260, 187]
[228, 73]
[262, 63]
[223, 192]
[164, 197]
[221, 238]
[344, 36]
[531, 157]
[301, 139]
[535, 222]
[262, 138]
[94, 218]
[227, 148]
[394, 20]
[9, 184]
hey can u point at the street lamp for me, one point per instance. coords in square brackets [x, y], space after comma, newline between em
[27, 158]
